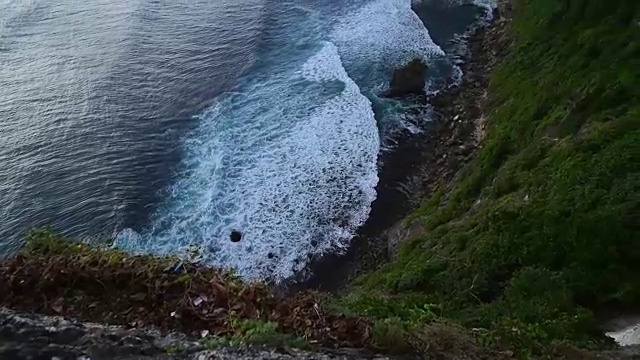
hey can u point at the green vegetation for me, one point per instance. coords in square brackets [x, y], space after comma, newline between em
[53, 275]
[537, 235]
[542, 229]
[248, 332]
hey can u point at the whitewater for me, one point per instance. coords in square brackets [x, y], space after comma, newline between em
[289, 158]
[166, 126]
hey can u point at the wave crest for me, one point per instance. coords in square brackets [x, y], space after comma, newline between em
[293, 191]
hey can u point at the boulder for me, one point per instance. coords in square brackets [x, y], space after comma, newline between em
[235, 236]
[408, 80]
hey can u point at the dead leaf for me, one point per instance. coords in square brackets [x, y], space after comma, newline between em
[57, 306]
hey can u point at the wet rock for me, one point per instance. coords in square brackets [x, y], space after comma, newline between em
[408, 80]
[235, 236]
[465, 149]
[29, 336]
[67, 335]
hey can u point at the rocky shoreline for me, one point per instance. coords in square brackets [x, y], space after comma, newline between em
[31, 337]
[422, 163]
[413, 170]
[157, 301]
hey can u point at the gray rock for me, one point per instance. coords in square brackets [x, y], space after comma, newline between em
[38, 337]
[241, 354]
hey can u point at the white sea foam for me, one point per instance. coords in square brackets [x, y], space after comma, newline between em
[290, 160]
[381, 36]
[376, 39]
[296, 178]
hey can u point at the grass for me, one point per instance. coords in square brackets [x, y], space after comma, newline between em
[535, 237]
[253, 332]
[56, 276]
[542, 230]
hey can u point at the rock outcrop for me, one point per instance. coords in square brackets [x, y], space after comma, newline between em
[235, 236]
[408, 80]
[28, 336]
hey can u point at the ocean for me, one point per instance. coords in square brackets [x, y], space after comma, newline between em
[163, 126]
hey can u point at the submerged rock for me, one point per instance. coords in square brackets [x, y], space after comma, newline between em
[235, 236]
[408, 80]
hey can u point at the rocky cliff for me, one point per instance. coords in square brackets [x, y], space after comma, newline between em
[523, 238]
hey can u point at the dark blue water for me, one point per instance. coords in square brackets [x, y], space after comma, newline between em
[165, 125]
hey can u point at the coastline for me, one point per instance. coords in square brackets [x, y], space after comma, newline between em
[491, 268]
[420, 163]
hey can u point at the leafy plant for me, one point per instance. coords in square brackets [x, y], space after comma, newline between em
[250, 332]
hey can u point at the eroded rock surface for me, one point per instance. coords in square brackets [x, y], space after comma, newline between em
[38, 337]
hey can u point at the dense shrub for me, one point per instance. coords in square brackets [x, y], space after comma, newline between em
[546, 222]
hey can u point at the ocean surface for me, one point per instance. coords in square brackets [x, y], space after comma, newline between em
[163, 126]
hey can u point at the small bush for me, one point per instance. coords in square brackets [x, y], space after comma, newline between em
[251, 332]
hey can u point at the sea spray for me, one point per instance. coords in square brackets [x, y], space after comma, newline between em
[293, 191]
[289, 159]
[380, 37]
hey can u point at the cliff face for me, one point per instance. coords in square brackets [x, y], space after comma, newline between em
[528, 229]
[538, 232]
[51, 337]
